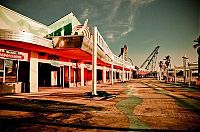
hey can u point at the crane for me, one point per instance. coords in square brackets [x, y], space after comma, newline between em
[151, 59]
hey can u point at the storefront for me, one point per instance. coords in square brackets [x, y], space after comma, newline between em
[14, 71]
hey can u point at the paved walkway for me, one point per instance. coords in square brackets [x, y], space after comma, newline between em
[142, 104]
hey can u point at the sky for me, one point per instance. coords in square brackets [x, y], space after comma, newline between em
[140, 24]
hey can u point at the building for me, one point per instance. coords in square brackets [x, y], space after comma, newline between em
[33, 55]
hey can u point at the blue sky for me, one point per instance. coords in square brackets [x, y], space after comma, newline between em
[140, 24]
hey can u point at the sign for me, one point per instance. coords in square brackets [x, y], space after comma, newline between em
[12, 56]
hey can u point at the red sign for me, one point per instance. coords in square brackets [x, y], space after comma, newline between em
[12, 56]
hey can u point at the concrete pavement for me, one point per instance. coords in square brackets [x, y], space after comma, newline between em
[141, 104]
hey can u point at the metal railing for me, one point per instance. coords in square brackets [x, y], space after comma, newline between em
[102, 44]
[6, 34]
[104, 47]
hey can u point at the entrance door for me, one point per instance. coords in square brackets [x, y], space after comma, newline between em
[44, 75]
[23, 77]
[48, 75]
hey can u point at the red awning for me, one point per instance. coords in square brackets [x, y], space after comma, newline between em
[72, 53]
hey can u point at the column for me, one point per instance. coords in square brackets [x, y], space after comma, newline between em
[120, 77]
[94, 62]
[174, 74]
[33, 72]
[104, 74]
[112, 74]
[82, 74]
[123, 77]
[63, 85]
[189, 74]
[60, 76]
[69, 76]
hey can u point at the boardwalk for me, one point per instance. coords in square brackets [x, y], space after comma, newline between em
[143, 104]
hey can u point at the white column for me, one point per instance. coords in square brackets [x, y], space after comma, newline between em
[120, 74]
[33, 75]
[123, 73]
[74, 77]
[63, 76]
[4, 71]
[94, 62]
[60, 76]
[17, 71]
[174, 74]
[112, 74]
[69, 76]
[82, 74]
[189, 77]
[160, 74]
[104, 74]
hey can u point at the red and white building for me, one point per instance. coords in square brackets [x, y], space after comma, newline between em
[63, 54]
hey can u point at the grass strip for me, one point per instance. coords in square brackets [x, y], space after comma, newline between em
[127, 106]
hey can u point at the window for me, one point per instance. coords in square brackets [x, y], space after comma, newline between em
[10, 70]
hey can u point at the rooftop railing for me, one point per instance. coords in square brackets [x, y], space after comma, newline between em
[116, 60]
[102, 44]
[6, 34]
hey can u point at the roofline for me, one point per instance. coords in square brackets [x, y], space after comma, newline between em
[23, 16]
[63, 17]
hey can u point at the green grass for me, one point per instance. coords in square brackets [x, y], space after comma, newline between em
[127, 107]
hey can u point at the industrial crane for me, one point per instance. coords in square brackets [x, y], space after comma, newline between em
[151, 60]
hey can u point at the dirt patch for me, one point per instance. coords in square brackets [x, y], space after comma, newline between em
[161, 111]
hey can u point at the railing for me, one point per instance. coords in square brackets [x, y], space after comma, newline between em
[127, 64]
[25, 37]
[104, 47]
[117, 60]
[102, 44]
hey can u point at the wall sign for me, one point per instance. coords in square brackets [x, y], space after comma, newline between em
[12, 56]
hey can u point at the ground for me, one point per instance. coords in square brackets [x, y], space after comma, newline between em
[137, 105]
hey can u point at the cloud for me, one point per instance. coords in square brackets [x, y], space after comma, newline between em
[114, 18]
[85, 14]
[114, 10]
[129, 25]
[140, 2]
[110, 36]
[134, 6]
